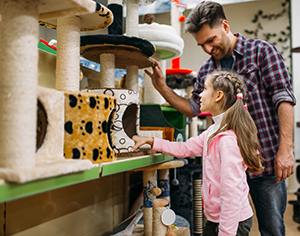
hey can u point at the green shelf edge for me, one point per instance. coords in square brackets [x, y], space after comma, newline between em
[126, 165]
[12, 191]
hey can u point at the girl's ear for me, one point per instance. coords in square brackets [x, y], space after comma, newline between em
[219, 96]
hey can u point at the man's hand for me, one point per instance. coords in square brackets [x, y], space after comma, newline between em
[157, 77]
[284, 165]
[284, 161]
[181, 104]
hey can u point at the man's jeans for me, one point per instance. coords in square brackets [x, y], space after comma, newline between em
[270, 199]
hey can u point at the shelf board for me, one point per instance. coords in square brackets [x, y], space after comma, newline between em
[131, 163]
[13, 191]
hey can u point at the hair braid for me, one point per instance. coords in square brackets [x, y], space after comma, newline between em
[236, 118]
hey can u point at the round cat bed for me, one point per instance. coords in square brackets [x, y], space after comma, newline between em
[49, 9]
[142, 2]
[177, 77]
[101, 18]
[164, 38]
[127, 50]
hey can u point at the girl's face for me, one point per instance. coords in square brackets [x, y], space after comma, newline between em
[208, 97]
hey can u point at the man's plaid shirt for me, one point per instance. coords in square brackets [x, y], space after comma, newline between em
[268, 84]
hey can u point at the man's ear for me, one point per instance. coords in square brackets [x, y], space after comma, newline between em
[225, 26]
[219, 96]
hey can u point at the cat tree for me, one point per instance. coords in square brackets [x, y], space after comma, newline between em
[19, 91]
[115, 50]
[149, 178]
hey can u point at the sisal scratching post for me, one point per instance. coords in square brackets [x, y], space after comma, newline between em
[107, 71]
[174, 18]
[132, 77]
[132, 22]
[193, 128]
[132, 18]
[151, 95]
[119, 2]
[171, 233]
[158, 228]
[68, 52]
[163, 184]
[148, 175]
[18, 83]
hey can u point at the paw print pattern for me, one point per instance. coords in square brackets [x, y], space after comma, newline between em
[126, 123]
[88, 126]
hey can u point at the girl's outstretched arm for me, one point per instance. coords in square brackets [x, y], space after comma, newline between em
[191, 147]
[139, 141]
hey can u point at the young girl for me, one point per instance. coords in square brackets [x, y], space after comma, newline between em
[229, 148]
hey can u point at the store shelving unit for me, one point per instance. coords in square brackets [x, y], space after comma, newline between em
[13, 191]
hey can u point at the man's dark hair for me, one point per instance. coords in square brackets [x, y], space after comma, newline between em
[206, 12]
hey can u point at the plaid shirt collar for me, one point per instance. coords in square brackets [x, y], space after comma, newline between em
[239, 47]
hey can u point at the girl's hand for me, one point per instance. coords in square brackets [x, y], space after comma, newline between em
[139, 141]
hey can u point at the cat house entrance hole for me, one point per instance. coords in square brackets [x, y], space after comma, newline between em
[110, 125]
[42, 124]
[129, 120]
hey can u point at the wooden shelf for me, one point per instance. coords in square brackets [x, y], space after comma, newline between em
[12, 191]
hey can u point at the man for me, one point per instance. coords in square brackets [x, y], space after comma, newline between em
[270, 103]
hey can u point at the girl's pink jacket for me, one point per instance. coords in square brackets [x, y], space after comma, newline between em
[225, 189]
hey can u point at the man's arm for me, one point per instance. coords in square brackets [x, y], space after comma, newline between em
[159, 82]
[284, 161]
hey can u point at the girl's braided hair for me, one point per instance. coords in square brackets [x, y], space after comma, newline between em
[237, 118]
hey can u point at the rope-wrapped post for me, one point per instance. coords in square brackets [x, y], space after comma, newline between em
[132, 22]
[175, 14]
[132, 17]
[107, 71]
[159, 206]
[68, 53]
[193, 126]
[151, 95]
[18, 82]
[107, 60]
[171, 233]
[132, 77]
[148, 175]
[163, 184]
